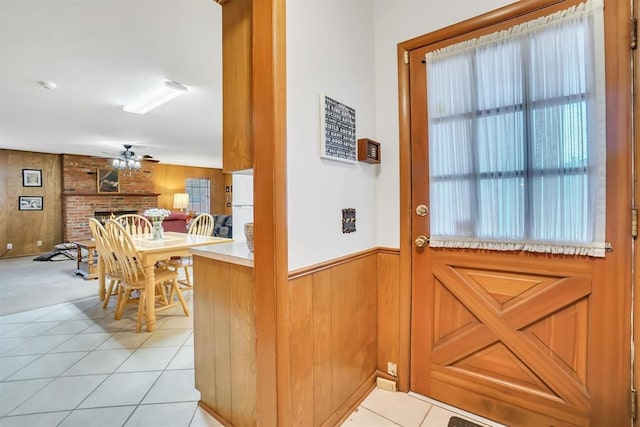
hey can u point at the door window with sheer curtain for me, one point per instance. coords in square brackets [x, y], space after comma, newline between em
[517, 139]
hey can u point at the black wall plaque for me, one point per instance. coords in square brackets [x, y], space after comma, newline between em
[338, 131]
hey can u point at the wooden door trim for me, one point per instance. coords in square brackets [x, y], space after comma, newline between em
[470, 25]
[404, 362]
[270, 211]
[636, 277]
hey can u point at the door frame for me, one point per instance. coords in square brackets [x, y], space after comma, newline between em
[636, 188]
[617, 39]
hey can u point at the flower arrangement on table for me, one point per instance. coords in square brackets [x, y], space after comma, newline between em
[157, 214]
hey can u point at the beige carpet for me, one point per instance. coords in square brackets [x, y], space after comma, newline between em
[26, 284]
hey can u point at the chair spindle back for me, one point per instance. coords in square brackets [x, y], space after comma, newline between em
[126, 253]
[202, 225]
[135, 224]
[103, 246]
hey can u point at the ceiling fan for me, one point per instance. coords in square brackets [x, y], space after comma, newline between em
[129, 160]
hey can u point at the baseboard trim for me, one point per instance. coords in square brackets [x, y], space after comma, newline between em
[356, 398]
[214, 414]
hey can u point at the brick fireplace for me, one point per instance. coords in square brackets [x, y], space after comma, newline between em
[81, 200]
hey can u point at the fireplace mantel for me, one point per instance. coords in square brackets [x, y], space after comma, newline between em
[73, 193]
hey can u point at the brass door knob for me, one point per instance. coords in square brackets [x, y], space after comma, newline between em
[421, 241]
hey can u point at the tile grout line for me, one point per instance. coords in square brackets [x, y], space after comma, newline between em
[381, 416]
[80, 332]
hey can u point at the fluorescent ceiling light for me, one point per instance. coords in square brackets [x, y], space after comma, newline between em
[155, 97]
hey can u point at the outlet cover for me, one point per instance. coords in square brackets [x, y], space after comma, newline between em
[39, 243]
[392, 369]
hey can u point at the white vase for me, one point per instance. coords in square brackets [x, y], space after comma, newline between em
[157, 231]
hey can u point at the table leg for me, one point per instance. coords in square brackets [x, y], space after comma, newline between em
[79, 259]
[101, 284]
[150, 290]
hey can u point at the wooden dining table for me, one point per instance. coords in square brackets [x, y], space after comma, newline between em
[151, 251]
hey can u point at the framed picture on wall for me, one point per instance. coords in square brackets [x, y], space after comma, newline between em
[31, 178]
[108, 181]
[30, 203]
[337, 130]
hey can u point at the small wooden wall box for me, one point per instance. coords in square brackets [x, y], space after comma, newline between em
[368, 151]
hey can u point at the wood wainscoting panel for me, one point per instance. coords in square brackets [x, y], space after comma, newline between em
[204, 330]
[301, 351]
[322, 351]
[225, 340]
[242, 345]
[389, 310]
[222, 346]
[333, 338]
[354, 326]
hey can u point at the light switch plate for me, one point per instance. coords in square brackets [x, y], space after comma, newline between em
[348, 220]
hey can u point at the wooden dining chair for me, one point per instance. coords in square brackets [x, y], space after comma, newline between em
[135, 224]
[106, 253]
[202, 225]
[133, 275]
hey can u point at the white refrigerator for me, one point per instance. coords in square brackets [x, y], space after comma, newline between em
[241, 204]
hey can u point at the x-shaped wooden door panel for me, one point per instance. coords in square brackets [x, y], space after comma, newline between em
[504, 324]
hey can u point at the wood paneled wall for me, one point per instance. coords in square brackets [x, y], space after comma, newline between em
[171, 179]
[24, 228]
[342, 330]
[344, 323]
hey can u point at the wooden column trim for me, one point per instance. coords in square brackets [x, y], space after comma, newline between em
[270, 214]
[404, 123]
[636, 277]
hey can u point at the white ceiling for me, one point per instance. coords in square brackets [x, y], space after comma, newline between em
[102, 53]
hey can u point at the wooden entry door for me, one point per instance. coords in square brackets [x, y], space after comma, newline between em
[524, 339]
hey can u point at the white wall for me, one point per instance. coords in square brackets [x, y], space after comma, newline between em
[347, 50]
[330, 50]
[397, 21]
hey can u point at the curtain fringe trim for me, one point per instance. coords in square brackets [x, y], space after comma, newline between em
[594, 250]
[524, 28]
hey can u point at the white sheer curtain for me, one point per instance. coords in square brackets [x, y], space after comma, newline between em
[517, 139]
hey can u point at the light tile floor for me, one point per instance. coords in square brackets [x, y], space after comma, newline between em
[72, 364]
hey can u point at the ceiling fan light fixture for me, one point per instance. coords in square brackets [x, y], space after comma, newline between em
[126, 164]
[128, 160]
[155, 97]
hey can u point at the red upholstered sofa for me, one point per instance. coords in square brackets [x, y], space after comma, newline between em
[177, 221]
